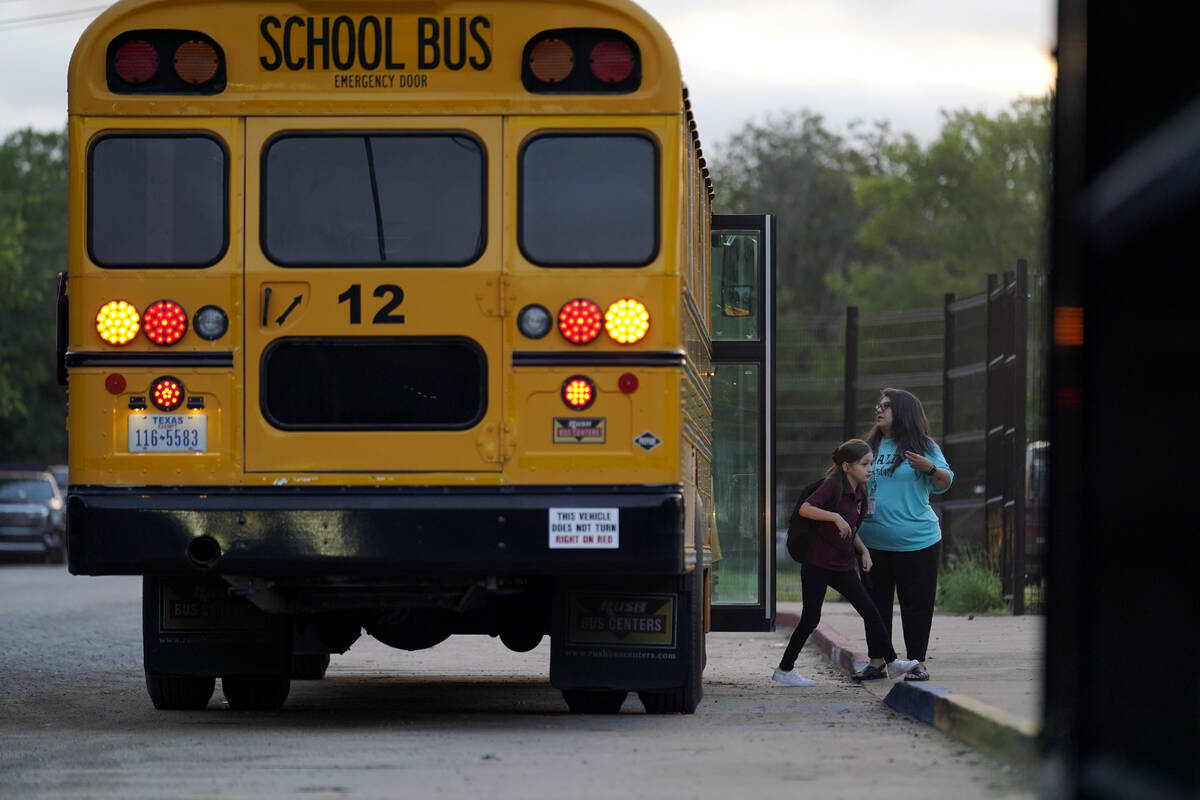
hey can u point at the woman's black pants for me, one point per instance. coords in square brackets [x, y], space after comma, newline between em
[912, 577]
[814, 581]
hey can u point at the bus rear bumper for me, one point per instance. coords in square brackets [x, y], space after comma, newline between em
[377, 533]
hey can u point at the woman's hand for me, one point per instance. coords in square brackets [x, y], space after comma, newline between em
[865, 558]
[918, 462]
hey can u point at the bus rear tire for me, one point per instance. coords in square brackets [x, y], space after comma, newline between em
[588, 701]
[678, 701]
[256, 692]
[179, 693]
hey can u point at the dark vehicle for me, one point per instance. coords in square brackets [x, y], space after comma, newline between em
[1037, 480]
[31, 516]
[59, 471]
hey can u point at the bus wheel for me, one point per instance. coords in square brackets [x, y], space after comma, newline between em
[679, 701]
[521, 641]
[309, 666]
[585, 701]
[175, 693]
[256, 692]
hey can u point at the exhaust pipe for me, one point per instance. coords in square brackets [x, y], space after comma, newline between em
[203, 551]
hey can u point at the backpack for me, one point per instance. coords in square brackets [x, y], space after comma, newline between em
[801, 529]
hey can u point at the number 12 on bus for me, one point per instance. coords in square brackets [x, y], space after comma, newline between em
[398, 323]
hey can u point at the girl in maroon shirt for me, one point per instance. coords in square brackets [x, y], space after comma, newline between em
[830, 561]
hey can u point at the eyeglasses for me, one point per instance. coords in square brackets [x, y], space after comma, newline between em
[881, 407]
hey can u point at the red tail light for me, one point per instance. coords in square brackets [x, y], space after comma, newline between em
[580, 321]
[612, 61]
[136, 61]
[165, 322]
[166, 393]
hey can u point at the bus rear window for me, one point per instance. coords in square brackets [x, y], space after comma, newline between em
[589, 200]
[157, 200]
[379, 199]
[397, 383]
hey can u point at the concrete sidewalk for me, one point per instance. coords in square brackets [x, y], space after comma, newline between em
[985, 670]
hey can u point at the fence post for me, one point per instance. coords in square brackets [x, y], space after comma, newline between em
[993, 478]
[850, 377]
[1020, 338]
[949, 345]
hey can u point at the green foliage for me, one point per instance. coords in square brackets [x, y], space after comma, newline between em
[883, 222]
[969, 586]
[940, 219]
[790, 589]
[795, 168]
[33, 249]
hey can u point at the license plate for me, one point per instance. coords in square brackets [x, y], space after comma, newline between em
[168, 433]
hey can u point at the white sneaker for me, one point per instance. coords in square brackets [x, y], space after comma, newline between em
[791, 678]
[898, 668]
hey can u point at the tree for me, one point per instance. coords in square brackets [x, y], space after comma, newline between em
[795, 168]
[940, 219]
[33, 249]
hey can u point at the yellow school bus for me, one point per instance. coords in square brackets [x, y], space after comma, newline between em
[396, 318]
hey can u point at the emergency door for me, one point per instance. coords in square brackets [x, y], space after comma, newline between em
[372, 302]
[743, 387]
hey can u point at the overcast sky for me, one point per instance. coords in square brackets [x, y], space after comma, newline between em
[897, 60]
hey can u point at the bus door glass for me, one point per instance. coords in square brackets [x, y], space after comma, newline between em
[372, 299]
[743, 420]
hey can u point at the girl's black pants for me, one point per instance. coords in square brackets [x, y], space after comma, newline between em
[814, 581]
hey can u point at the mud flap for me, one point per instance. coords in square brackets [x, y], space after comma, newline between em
[640, 637]
[195, 627]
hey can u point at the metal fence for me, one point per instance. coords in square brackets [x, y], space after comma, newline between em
[978, 365]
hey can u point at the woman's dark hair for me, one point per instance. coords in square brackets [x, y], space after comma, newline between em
[910, 427]
[849, 450]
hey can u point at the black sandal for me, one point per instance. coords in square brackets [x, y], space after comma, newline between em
[917, 673]
[871, 674]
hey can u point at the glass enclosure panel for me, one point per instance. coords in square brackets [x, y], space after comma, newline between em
[736, 306]
[736, 483]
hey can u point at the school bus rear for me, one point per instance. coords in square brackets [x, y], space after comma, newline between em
[375, 320]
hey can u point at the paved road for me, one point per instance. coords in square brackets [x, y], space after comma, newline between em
[468, 718]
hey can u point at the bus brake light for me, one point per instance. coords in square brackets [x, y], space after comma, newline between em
[580, 321]
[165, 322]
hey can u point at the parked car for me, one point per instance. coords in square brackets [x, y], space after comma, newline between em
[59, 471]
[31, 515]
[1037, 490]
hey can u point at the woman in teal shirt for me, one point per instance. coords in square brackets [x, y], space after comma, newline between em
[901, 530]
